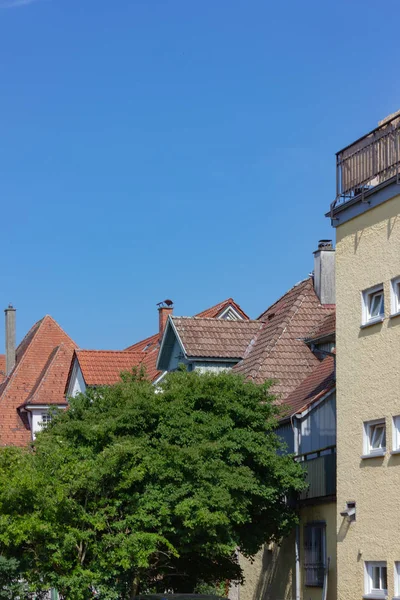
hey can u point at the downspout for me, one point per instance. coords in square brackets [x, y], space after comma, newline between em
[296, 434]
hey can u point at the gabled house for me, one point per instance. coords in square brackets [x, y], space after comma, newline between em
[35, 378]
[103, 367]
[292, 343]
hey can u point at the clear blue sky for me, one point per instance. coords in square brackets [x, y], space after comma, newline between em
[176, 149]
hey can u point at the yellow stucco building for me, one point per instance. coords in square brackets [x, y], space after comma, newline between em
[366, 215]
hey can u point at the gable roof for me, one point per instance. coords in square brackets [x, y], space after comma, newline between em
[215, 311]
[151, 345]
[214, 338]
[324, 329]
[103, 367]
[314, 387]
[39, 376]
[279, 351]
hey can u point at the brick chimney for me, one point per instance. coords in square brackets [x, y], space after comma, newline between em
[165, 309]
[10, 338]
[324, 272]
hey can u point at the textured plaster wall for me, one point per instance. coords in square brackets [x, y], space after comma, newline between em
[270, 576]
[368, 387]
[327, 513]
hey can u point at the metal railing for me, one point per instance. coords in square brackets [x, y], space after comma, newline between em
[320, 466]
[368, 162]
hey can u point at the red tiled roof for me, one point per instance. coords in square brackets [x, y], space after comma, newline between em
[218, 338]
[320, 381]
[218, 309]
[103, 367]
[50, 387]
[279, 351]
[2, 367]
[151, 345]
[40, 375]
[326, 327]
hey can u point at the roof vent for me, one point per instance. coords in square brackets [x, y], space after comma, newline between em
[325, 245]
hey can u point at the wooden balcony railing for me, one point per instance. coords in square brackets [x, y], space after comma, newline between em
[320, 469]
[368, 162]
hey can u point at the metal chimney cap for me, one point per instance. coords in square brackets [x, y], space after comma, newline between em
[9, 307]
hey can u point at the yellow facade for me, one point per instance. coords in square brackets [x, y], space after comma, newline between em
[271, 575]
[326, 513]
[368, 388]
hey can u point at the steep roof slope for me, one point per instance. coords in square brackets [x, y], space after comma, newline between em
[318, 383]
[279, 351]
[103, 367]
[215, 338]
[151, 345]
[39, 376]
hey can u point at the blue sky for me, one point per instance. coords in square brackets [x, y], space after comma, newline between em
[176, 149]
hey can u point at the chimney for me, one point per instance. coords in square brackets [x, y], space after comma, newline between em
[165, 309]
[10, 338]
[324, 272]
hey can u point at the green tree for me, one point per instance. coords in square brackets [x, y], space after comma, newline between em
[137, 488]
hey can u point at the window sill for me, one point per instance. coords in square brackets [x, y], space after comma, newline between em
[393, 316]
[396, 452]
[372, 322]
[375, 596]
[374, 455]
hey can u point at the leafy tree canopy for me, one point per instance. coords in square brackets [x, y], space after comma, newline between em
[141, 488]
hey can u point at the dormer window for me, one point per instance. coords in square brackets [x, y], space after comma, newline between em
[373, 305]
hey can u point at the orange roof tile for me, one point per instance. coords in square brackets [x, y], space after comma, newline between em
[42, 362]
[104, 367]
[215, 338]
[2, 367]
[151, 344]
[325, 328]
[320, 381]
[279, 351]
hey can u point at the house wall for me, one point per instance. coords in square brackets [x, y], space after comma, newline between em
[77, 384]
[327, 513]
[270, 575]
[368, 383]
[318, 427]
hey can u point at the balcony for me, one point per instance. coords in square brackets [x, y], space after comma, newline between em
[320, 469]
[371, 161]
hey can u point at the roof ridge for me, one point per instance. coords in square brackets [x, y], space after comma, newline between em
[77, 350]
[49, 317]
[42, 376]
[216, 319]
[307, 279]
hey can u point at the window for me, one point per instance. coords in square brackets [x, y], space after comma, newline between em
[395, 296]
[375, 579]
[396, 433]
[314, 554]
[397, 579]
[373, 305]
[46, 419]
[375, 438]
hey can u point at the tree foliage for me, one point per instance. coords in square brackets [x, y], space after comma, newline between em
[141, 488]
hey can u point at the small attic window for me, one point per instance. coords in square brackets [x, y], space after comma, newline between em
[147, 347]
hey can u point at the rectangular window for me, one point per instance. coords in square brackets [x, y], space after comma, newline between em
[395, 296]
[376, 579]
[373, 305]
[314, 554]
[396, 433]
[375, 438]
[397, 579]
[46, 419]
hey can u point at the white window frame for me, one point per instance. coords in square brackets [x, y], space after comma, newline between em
[370, 591]
[369, 429]
[395, 296]
[396, 434]
[367, 299]
[397, 579]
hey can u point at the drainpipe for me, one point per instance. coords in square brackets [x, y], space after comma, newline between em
[296, 434]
